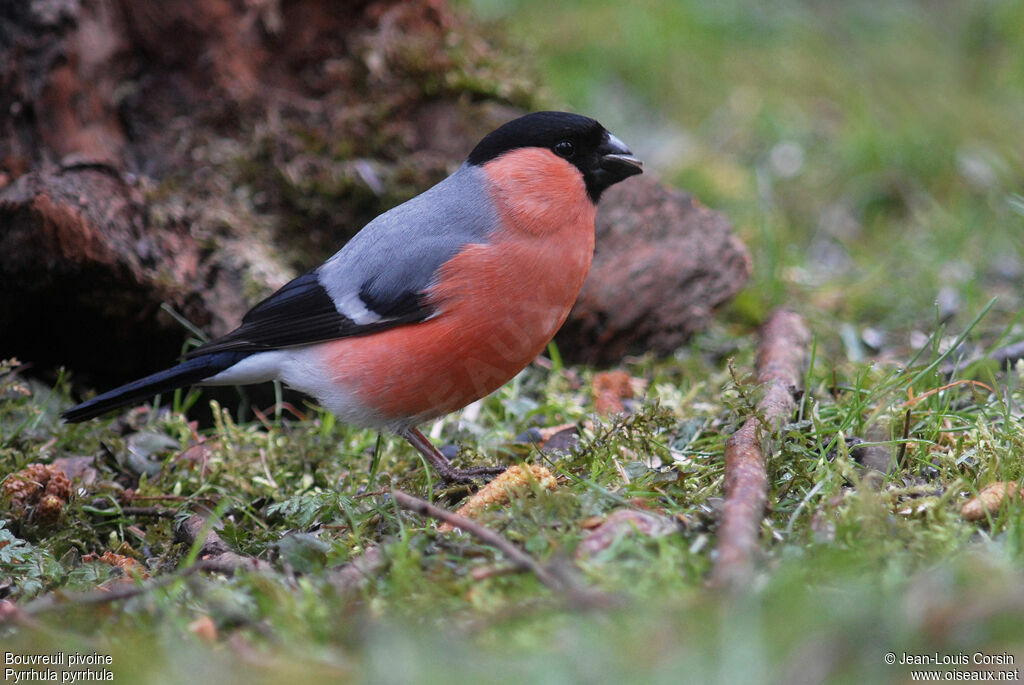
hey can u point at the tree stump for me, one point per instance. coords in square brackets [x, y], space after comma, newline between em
[199, 153]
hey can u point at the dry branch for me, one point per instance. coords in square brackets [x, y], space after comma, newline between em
[214, 553]
[482, 533]
[64, 600]
[577, 596]
[781, 357]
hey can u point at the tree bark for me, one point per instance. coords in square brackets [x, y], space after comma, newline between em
[663, 264]
[199, 153]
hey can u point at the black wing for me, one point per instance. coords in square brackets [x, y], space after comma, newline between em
[302, 312]
[381, 277]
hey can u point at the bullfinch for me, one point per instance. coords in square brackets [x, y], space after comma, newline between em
[435, 303]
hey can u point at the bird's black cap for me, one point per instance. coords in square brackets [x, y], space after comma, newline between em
[602, 158]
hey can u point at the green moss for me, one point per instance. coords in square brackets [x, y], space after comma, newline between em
[908, 119]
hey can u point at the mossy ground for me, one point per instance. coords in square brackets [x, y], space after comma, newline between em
[870, 156]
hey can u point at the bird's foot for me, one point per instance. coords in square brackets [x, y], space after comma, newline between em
[448, 473]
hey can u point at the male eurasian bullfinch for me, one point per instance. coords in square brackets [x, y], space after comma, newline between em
[435, 303]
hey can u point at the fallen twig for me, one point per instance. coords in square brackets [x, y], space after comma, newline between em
[482, 533]
[780, 360]
[577, 596]
[903, 443]
[62, 600]
[170, 498]
[215, 556]
[214, 552]
[917, 398]
[158, 512]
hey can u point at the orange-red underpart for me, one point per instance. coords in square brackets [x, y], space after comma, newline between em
[499, 303]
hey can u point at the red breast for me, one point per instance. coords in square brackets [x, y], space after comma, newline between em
[499, 302]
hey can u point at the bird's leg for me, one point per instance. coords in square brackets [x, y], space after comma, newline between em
[440, 462]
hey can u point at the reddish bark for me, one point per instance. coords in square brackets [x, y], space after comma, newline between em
[781, 356]
[663, 264]
[199, 152]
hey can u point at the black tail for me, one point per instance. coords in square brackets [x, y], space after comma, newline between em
[186, 373]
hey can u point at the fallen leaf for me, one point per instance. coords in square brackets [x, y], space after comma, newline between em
[204, 628]
[561, 437]
[143, 448]
[195, 456]
[610, 388]
[129, 566]
[10, 612]
[621, 523]
[989, 500]
[78, 468]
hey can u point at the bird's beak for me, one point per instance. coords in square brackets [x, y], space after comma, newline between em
[618, 159]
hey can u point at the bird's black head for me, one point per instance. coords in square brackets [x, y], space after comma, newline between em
[603, 159]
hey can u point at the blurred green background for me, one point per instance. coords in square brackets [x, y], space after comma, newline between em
[871, 154]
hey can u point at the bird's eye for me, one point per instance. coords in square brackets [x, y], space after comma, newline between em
[565, 149]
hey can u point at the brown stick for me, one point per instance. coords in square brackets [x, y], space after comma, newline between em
[214, 553]
[485, 535]
[62, 600]
[214, 556]
[780, 360]
[158, 512]
[577, 596]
